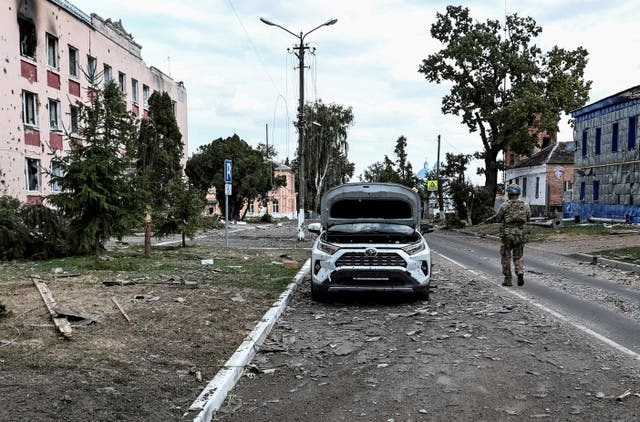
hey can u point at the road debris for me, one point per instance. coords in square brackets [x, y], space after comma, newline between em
[115, 301]
[61, 323]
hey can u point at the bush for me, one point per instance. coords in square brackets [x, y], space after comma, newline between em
[31, 231]
[209, 222]
[267, 218]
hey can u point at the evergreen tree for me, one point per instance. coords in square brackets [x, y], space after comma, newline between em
[159, 151]
[99, 194]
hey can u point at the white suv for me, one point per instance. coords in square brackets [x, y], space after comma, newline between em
[369, 239]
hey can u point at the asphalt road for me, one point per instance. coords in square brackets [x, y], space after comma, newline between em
[475, 352]
[481, 255]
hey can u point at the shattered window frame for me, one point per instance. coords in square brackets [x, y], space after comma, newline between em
[28, 37]
[54, 115]
[30, 108]
[33, 174]
[122, 83]
[51, 46]
[134, 91]
[106, 74]
[56, 170]
[73, 60]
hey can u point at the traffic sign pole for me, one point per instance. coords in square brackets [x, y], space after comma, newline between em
[228, 178]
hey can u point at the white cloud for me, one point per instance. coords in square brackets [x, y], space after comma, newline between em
[235, 68]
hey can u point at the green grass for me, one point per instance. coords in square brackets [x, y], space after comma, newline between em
[247, 268]
[631, 255]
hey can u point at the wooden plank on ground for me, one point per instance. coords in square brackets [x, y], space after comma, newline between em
[121, 310]
[60, 322]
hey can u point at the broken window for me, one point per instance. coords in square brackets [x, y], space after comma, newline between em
[74, 118]
[537, 187]
[29, 108]
[52, 51]
[122, 82]
[54, 114]
[134, 90]
[145, 95]
[33, 175]
[56, 170]
[28, 40]
[73, 61]
[106, 74]
[92, 65]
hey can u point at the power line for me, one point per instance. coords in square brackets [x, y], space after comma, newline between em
[253, 47]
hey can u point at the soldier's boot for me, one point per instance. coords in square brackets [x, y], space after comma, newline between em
[507, 281]
[520, 279]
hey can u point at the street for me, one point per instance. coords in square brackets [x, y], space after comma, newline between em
[563, 347]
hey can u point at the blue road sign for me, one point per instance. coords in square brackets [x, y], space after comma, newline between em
[227, 171]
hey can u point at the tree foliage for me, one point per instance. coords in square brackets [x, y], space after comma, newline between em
[99, 194]
[326, 150]
[504, 87]
[399, 170]
[159, 151]
[252, 175]
[187, 204]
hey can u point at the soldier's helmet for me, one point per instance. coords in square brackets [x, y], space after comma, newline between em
[513, 190]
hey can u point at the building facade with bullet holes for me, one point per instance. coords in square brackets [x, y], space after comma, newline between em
[51, 53]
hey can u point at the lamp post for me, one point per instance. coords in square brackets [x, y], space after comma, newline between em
[299, 52]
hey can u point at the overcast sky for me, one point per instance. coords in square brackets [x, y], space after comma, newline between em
[240, 77]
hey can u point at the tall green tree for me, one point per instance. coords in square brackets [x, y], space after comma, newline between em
[503, 86]
[252, 174]
[100, 196]
[159, 151]
[399, 170]
[326, 149]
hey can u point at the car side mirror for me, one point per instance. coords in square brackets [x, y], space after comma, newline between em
[315, 228]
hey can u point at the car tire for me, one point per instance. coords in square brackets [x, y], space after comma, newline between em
[422, 294]
[317, 294]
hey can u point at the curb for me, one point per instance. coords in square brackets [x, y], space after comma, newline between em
[596, 260]
[213, 395]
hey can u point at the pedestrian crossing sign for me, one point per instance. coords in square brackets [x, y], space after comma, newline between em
[432, 185]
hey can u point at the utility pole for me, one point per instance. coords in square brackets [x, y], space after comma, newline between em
[300, 124]
[440, 200]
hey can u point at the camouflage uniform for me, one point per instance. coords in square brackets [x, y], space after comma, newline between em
[512, 216]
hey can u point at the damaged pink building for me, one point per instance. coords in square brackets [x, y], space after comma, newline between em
[51, 51]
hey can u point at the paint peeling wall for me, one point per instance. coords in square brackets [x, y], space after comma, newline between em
[23, 143]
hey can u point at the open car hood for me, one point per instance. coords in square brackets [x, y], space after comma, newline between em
[370, 203]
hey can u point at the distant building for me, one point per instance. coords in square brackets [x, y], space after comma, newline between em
[280, 203]
[50, 50]
[607, 165]
[544, 178]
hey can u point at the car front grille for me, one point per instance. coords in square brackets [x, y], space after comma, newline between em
[384, 259]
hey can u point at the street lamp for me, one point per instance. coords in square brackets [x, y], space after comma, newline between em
[299, 52]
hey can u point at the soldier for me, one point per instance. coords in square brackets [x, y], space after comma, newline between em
[512, 216]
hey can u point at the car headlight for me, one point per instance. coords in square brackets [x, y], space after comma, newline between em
[414, 248]
[326, 247]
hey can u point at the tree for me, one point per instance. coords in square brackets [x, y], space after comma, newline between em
[187, 204]
[100, 195]
[159, 151]
[326, 150]
[252, 175]
[390, 171]
[504, 87]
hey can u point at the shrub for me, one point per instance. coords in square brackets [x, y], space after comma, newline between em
[267, 218]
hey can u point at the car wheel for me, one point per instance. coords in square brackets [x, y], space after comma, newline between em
[423, 294]
[317, 294]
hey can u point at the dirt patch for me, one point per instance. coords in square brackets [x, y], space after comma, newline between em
[185, 323]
